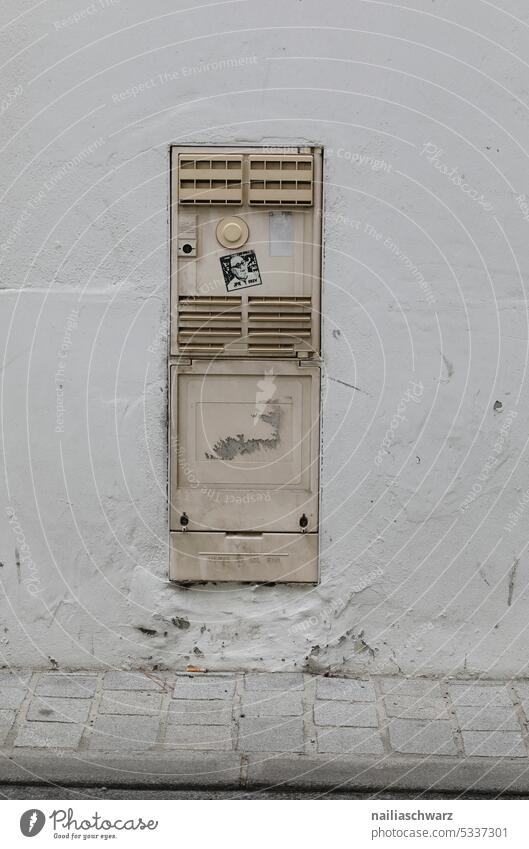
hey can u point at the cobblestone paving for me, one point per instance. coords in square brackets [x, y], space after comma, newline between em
[263, 713]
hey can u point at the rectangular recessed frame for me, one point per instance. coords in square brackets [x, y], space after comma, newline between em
[244, 368]
[245, 446]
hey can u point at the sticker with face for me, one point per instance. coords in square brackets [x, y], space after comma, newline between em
[240, 270]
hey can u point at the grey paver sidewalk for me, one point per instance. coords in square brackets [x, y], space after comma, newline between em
[264, 728]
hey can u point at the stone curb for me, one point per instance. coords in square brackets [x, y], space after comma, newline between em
[231, 770]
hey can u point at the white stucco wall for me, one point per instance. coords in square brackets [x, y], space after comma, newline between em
[424, 311]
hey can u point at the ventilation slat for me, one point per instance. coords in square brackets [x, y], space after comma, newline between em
[205, 301]
[298, 303]
[289, 333]
[259, 349]
[204, 349]
[197, 318]
[280, 302]
[282, 319]
[205, 331]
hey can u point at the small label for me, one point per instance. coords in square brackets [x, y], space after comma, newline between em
[281, 234]
[240, 270]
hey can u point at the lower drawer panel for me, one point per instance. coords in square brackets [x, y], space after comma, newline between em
[253, 558]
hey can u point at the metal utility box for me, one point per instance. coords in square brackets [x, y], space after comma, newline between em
[244, 367]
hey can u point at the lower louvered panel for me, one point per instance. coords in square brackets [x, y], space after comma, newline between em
[276, 326]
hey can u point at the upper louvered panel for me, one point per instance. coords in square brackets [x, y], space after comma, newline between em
[280, 180]
[208, 324]
[209, 179]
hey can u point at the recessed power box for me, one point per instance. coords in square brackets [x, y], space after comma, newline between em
[244, 368]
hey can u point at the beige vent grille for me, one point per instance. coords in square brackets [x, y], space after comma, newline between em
[278, 325]
[208, 324]
[208, 180]
[220, 325]
[280, 181]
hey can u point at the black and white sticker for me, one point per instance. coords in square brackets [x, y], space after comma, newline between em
[240, 270]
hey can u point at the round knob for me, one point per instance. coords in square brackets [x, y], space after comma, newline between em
[232, 232]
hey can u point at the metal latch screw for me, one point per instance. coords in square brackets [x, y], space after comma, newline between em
[303, 522]
[184, 521]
